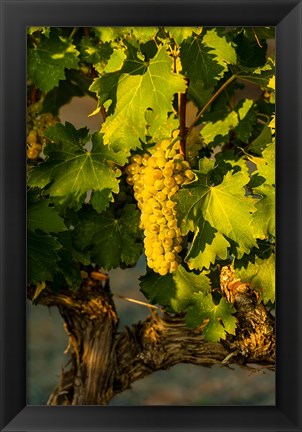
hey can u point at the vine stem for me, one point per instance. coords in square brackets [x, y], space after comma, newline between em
[182, 122]
[74, 30]
[210, 101]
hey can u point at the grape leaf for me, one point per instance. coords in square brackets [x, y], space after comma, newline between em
[222, 49]
[221, 320]
[272, 124]
[250, 53]
[144, 34]
[115, 61]
[227, 160]
[261, 141]
[141, 34]
[241, 119]
[247, 117]
[261, 276]
[66, 238]
[179, 34]
[225, 207]
[47, 61]
[186, 284]
[44, 30]
[266, 166]
[173, 290]
[264, 217]
[106, 85]
[199, 93]
[42, 257]
[95, 53]
[137, 93]
[162, 131]
[70, 170]
[158, 289]
[222, 127]
[41, 216]
[108, 34]
[108, 239]
[206, 245]
[198, 63]
[261, 75]
[100, 199]
[69, 270]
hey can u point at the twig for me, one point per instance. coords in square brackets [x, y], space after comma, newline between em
[256, 37]
[137, 302]
[210, 101]
[74, 30]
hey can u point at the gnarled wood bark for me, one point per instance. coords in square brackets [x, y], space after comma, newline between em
[104, 362]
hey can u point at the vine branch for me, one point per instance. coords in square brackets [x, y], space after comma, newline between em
[105, 362]
[210, 101]
[182, 122]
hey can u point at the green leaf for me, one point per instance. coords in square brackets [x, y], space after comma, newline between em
[44, 30]
[70, 170]
[108, 239]
[162, 131]
[262, 75]
[247, 118]
[223, 51]
[42, 217]
[141, 34]
[108, 34]
[66, 238]
[144, 34]
[241, 120]
[116, 60]
[250, 54]
[227, 160]
[264, 217]
[179, 34]
[101, 199]
[221, 320]
[174, 290]
[158, 289]
[153, 90]
[199, 93]
[95, 53]
[225, 207]
[222, 127]
[266, 166]
[207, 245]
[47, 62]
[106, 85]
[198, 63]
[261, 276]
[186, 284]
[42, 257]
[272, 124]
[261, 141]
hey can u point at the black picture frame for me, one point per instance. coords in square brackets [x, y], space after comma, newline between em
[15, 17]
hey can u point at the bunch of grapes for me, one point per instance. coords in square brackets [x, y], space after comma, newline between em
[156, 178]
[35, 137]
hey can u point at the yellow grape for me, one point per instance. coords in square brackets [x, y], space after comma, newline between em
[156, 177]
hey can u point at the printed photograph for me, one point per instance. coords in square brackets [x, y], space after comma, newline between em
[151, 216]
